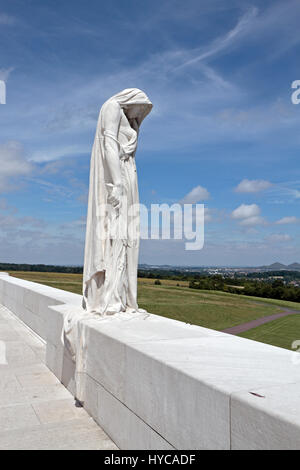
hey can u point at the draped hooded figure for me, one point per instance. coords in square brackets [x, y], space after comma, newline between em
[112, 234]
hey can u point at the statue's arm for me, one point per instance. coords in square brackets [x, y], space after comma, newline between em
[111, 122]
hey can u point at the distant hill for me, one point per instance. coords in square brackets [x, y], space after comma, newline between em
[276, 266]
[281, 267]
[294, 266]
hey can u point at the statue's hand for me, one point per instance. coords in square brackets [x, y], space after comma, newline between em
[114, 195]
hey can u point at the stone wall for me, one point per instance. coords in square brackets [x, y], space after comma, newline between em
[156, 383]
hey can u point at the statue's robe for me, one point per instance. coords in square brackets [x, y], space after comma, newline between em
[112, 236]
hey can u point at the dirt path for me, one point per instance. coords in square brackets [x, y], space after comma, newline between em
[236, 330]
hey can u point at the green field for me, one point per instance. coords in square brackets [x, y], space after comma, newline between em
[281, 332]
[69, 282]
[211, 309]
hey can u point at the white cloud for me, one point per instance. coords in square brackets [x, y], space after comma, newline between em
[278, 237]
[245, 211]
[252, 186]
[288, 220]
[248, 215]
[195, 195]
[12, 164]
[252, 221]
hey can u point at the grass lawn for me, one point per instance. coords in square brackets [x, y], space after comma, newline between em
[211, 309]
[281, 303]
[281, 332]
[68, 282]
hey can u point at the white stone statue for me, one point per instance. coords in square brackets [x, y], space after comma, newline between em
[112, 233]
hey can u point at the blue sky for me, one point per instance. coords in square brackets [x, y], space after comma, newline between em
[223, 125]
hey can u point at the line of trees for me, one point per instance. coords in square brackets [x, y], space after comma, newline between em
[276, 290]
[41, 268]
[270, 290]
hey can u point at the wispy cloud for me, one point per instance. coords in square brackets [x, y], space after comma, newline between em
[295, 193]
[286, 191]
[13, 164]
[288, 220]
[278, 237]
[54, 189]
[5, 73]
[223, 42]
[51, 154]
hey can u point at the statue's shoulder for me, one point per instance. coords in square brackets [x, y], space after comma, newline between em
[111, 105]
[111, 109]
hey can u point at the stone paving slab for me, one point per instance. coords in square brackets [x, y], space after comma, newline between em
[79, 434]
[36, 410]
